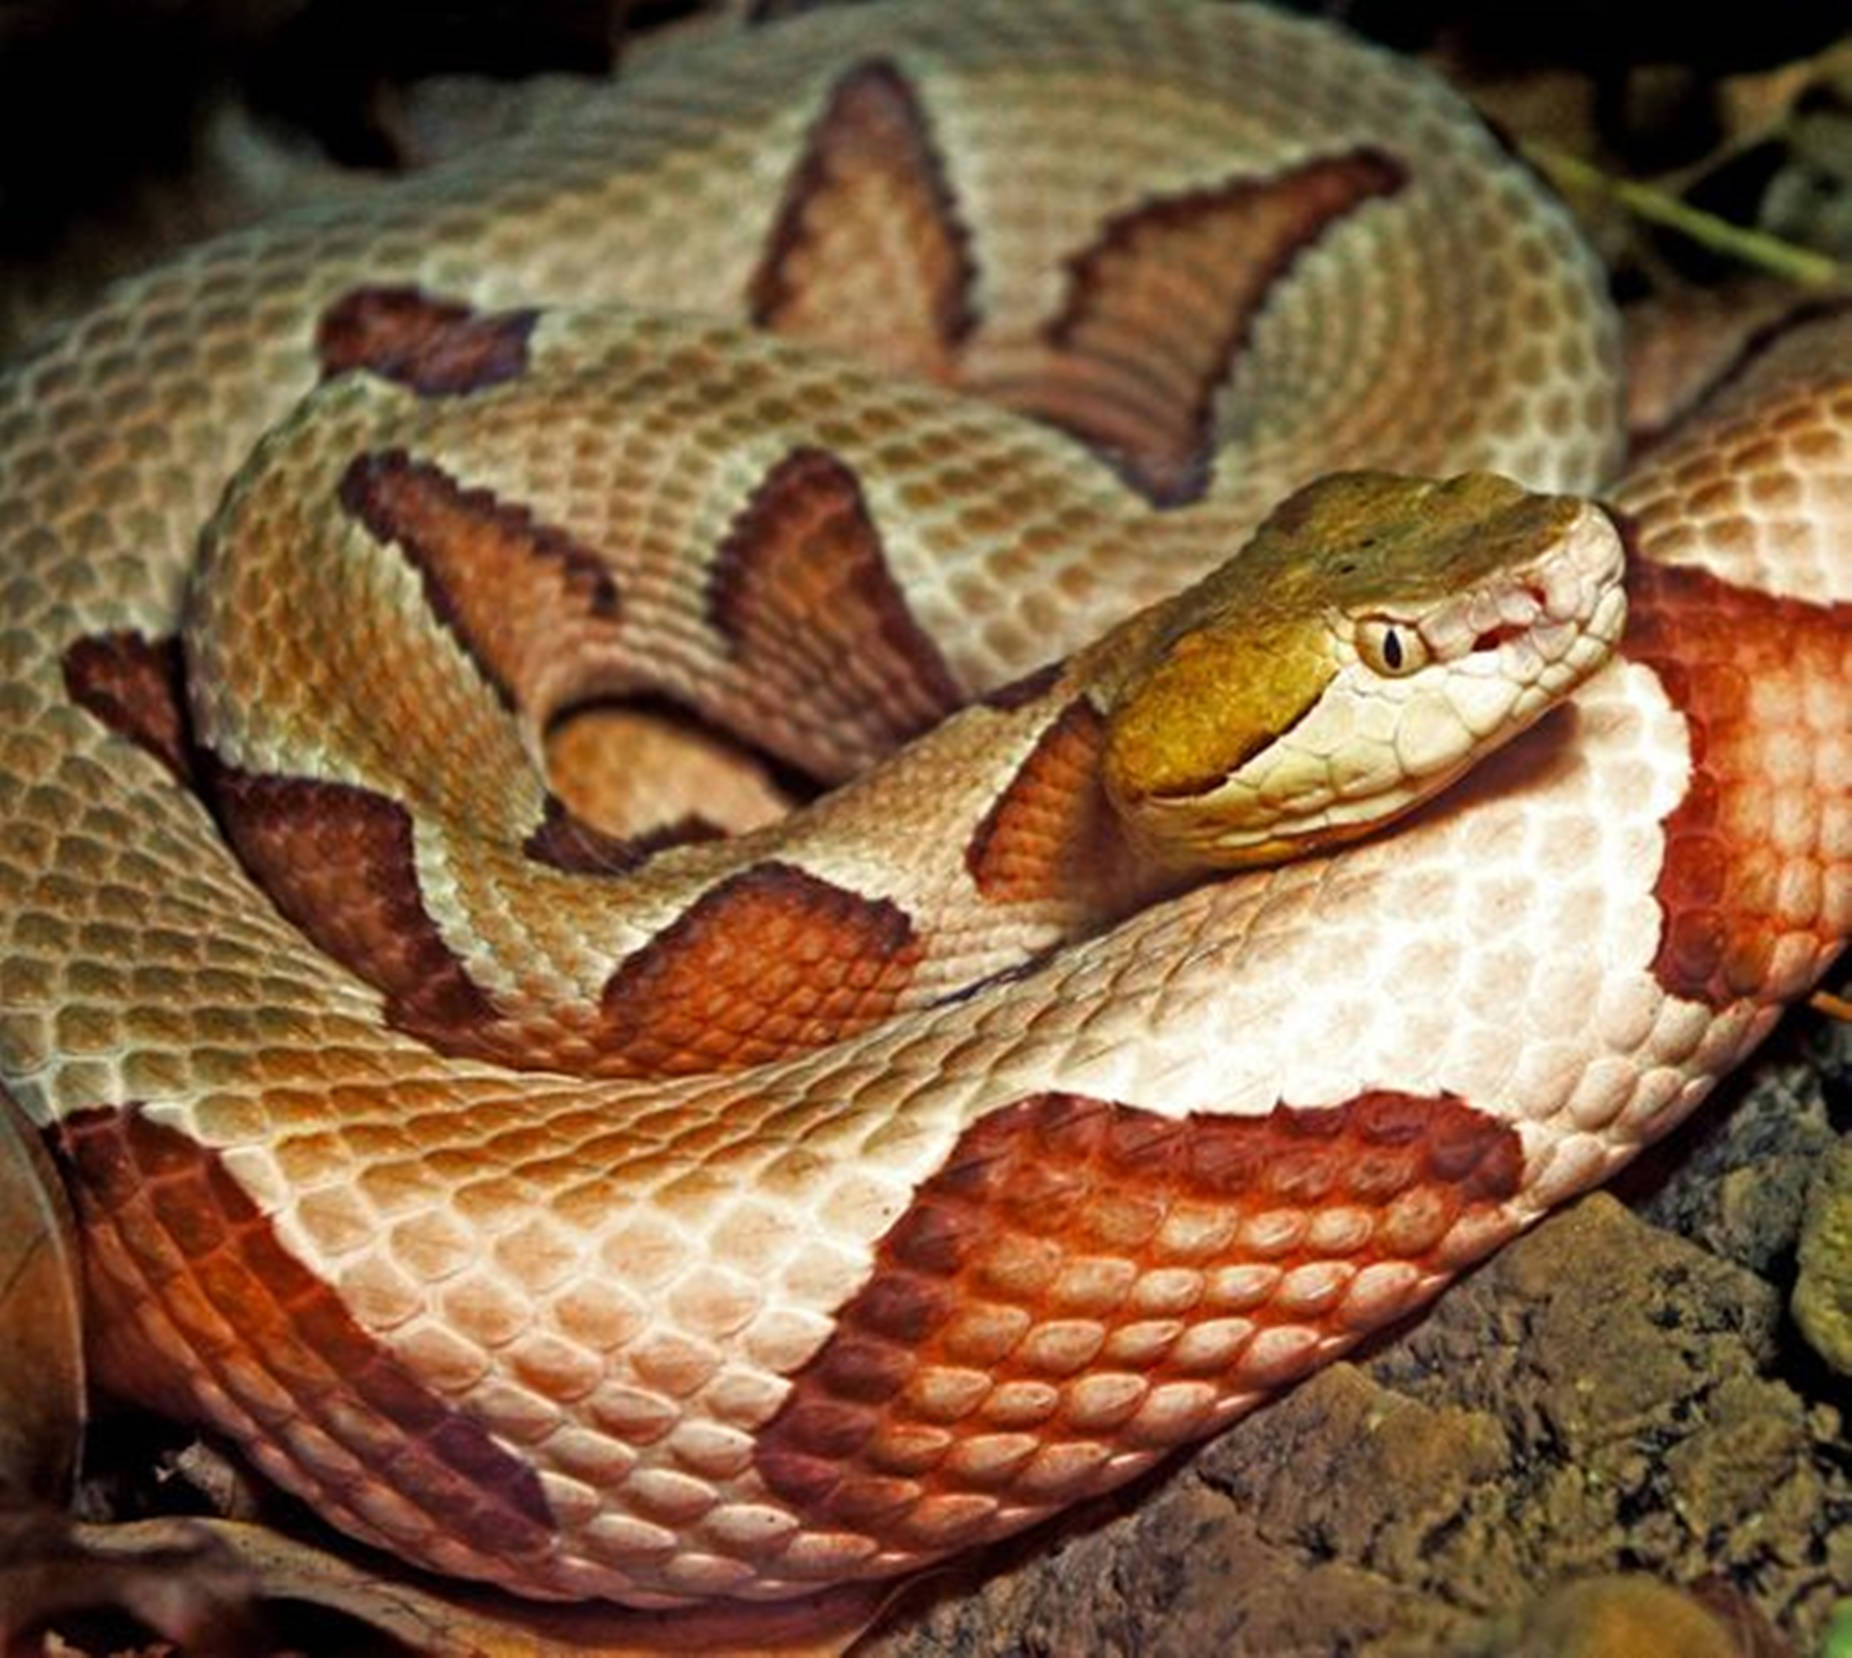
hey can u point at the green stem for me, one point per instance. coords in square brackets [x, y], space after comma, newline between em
[1754, 247]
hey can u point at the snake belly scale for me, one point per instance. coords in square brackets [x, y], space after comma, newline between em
[742, 1316]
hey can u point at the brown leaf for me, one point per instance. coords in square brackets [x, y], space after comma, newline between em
[205, 1584]
[452, 1621]
[172, 1576]
[41, 1322]
[1758, 105]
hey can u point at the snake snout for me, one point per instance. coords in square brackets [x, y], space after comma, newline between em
[1584, 602]
[1538, 611]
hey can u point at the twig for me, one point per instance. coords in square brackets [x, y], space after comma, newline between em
[1754, 247]
[1835, 1007]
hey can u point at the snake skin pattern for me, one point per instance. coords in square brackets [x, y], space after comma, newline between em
[774, 1304]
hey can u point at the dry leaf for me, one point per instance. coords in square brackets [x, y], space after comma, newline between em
[459, 1622]
[41, 1323]
[1757, 106]
[175, 1578]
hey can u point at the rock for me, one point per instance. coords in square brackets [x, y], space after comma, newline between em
[1620, 1616]
[1822, 1300]
[1734, 1179]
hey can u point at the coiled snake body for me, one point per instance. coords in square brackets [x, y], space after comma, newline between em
[799, 1216]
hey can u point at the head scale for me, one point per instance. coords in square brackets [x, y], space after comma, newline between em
[1376, 636]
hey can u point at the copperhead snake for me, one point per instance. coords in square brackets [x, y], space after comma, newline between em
[767, 1299]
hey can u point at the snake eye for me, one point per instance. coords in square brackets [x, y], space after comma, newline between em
[1391, 649]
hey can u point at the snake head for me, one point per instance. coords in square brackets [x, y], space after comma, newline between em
[1376, 637]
